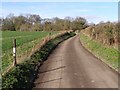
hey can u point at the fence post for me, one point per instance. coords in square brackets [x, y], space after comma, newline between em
[49, 35]
[14, 52]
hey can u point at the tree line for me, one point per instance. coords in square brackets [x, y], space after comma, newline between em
[33, 22]
[105, 32]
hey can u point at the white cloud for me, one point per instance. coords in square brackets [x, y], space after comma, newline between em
[91, 17]
[97, 19]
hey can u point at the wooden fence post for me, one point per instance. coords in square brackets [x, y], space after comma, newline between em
[14, 52]
[49, 35]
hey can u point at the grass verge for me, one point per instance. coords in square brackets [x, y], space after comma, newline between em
[22, 76]
[106, 54]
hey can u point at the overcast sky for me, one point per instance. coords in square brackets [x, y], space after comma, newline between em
[92, 11]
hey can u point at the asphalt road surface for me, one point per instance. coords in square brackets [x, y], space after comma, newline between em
[72, 66]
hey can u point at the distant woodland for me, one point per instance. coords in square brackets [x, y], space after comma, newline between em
[36, 23]
[105, 32]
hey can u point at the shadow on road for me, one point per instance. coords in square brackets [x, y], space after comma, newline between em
[51, 69]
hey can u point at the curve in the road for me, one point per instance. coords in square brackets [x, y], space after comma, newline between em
[72, 66]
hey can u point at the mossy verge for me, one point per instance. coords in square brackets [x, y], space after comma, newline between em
[22, 76]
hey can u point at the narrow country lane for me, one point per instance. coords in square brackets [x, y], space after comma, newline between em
[72, 66]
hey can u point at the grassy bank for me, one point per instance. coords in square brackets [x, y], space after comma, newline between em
[107, 54]
[22, 76]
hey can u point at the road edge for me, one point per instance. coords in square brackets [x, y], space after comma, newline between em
[97, 56]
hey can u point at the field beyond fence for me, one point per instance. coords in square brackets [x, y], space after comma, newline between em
[26, 44]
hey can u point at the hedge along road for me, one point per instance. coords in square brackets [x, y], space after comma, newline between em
[72, 66]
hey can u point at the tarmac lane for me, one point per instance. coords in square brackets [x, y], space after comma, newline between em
[70, 65]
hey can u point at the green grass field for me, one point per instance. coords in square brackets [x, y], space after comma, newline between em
[108, 54]
[25, 42]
